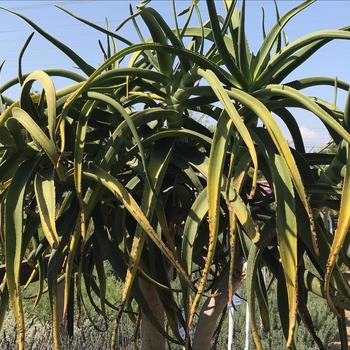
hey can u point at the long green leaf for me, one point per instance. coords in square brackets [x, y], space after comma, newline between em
[44, 187]
[158, 164]
[243, 49]
[307, 103]
[78, 160]
[271, 37]
[282, 146]
[95, 26]
[280, 60]
[286, 223]
[223, 97]
[221, 46]
[13, 242]
[50, 94]
[217, 158]
[304, 83]
[51, 72]
[20, 57]
[39, 136]
[165, 59]
[341, 231]
[255, 253]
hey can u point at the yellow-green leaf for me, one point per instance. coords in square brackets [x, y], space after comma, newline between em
[45, 193]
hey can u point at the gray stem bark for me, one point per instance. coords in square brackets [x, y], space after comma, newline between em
[210, 313]
[150, 337]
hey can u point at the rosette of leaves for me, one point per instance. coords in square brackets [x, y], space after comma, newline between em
[115, 168]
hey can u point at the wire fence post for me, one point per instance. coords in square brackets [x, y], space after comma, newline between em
[231, 313]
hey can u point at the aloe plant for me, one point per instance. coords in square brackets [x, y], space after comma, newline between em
[114, 168]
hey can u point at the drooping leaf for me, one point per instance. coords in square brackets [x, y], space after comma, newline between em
[99, 175]
[13, 242]
[217, 158]
[44, 186]
[286, 223]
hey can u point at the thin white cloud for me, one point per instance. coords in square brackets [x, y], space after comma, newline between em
[314, 138]
[309, 134]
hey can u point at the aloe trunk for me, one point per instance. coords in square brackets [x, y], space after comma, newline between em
[151, 339]
[209, 314]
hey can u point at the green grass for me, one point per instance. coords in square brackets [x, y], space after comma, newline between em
[324, 322]
[88, 337]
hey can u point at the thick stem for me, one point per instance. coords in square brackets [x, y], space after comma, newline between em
[211, 311]
[150, 337]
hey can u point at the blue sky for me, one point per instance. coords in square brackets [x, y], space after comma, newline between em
[332, 60]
